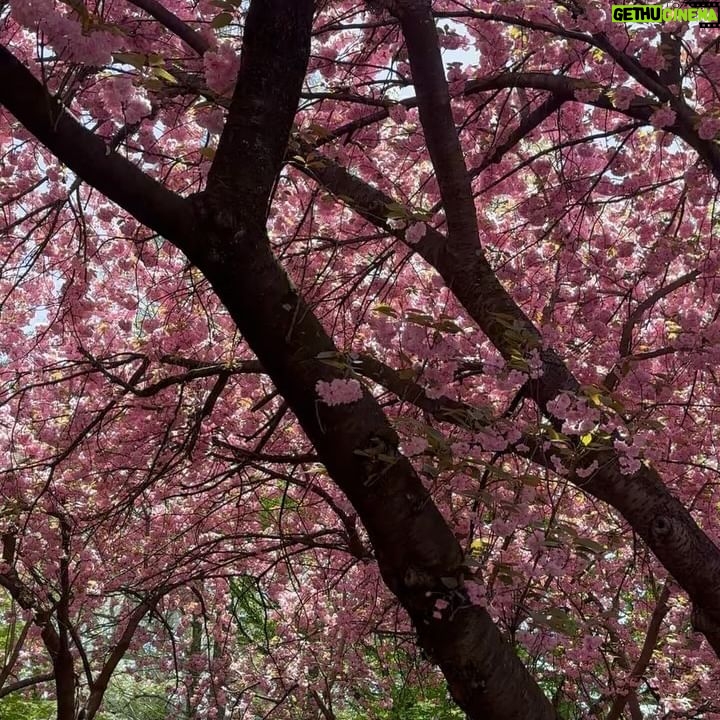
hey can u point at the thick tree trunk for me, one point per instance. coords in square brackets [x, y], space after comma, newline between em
[223, 232]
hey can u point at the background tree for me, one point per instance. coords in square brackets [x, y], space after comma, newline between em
[305, 302]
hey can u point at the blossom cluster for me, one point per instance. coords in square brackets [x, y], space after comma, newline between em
[339, 392]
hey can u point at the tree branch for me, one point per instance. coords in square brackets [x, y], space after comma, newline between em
[443, 143]
[625, 348]
[99, 686]
[640, 108]
[28, 682]
[89, 156]
[660, 519]
[173, 23]
[416, 550]
[651, 637]
[275, 52]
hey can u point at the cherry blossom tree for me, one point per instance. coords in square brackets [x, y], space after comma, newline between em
[344, 341]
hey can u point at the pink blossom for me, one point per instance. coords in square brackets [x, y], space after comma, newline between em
[587, 95]
[587, 471]
[30, 12]
[221, 67]
[415, 233]
[116, 349]
[622, 97]
[212, 119]
[398, 113]
[476, 593]
[339, 392]
[136, 108]
[663, 117]
[709, 127]
[414, 446]
[652, 57]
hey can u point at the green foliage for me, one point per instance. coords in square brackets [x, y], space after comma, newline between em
[134, 698]
[25, 704]
[407, 701]
[416, 692]
[249, 608]
[17, 706]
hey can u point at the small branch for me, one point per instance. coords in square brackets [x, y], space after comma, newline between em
[651, 638]
[17, 647]
[197, 370]
[327, 713]
[173, 23]
[625, 348]
[441, 136]
[526, 126]
[97, 691]
[90, 157]
[443, 408]
[28, 682]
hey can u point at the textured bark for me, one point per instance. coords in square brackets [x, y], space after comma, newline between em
[418, 556]
[223, 232]
[643, 499]
[87, 155]
[62, 659]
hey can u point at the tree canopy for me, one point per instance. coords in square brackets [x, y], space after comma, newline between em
[350, 343]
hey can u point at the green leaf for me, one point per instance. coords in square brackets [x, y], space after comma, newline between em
[155, 60]
[153, 84]
[499, 472]
[406, 374]
[556, 619]
[162, 74]
[447, 326]
[222, 20]
[397, 211]
[420, 319]
[333, 359]
[137, 60]
[590, 545]
[317, 131]
[505, 572]
[385, 310]
[483, 495]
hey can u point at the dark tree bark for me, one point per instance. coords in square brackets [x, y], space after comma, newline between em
[418, 555]
[222, 231]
